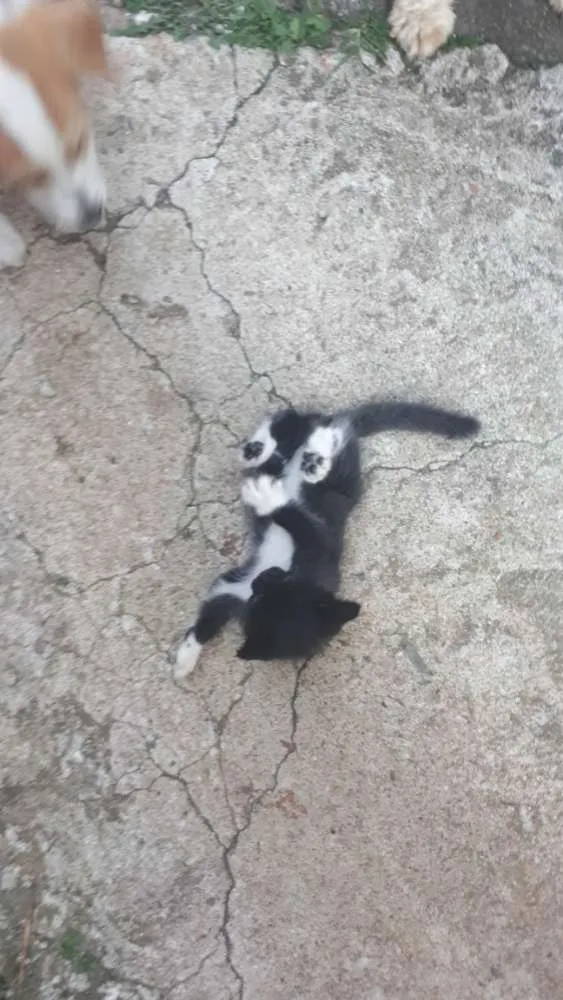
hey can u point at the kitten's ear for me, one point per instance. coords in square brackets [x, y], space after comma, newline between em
[248, 651]
[345, 611]
[267, 578]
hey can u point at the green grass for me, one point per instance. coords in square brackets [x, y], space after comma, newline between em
[264, 24]
[261, 24]
[461, 42]
[72, 948]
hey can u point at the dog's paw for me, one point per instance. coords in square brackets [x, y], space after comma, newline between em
[557, 6]
[187, 656]
[12, 247]
[320, 450]
[264, 494]
[421, 26]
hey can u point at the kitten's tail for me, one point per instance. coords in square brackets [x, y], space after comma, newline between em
[373, 418]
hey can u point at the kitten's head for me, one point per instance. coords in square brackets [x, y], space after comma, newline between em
[289, 619]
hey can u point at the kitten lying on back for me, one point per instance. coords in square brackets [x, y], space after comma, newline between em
[302, 480]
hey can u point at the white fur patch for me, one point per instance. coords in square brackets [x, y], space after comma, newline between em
[24, 119]
[12, 247]
[73, 188]
[421, 26]
[263, 438]
[9, 9]
[264, 494]
[187, 657]
[557, 5]
[276, 550]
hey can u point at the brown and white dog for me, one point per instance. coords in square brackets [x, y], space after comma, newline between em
[422, 26]
[47, 148]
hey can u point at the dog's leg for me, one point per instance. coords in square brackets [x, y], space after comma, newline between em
[12, 247]
[422, 26]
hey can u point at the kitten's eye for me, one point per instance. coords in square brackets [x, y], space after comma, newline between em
[252, 450]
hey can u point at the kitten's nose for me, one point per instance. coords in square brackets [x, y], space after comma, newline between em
[252, 450]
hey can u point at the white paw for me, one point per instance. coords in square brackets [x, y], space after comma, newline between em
[12, 247]
[264, 494]
[320, 451]
[557, 6]
[421, 26]
[187, 657]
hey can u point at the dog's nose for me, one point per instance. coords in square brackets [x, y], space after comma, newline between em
[92, 212]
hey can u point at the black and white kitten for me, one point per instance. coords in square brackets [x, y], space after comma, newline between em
[302, 479]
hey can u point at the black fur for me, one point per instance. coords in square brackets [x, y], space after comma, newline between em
[288, 617]
[292, 612]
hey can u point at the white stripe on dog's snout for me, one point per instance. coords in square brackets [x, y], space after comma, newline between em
[23, 118]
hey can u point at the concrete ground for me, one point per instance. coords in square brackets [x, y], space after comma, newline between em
[384, 823]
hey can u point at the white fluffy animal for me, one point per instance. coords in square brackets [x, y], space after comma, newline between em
[47, 149]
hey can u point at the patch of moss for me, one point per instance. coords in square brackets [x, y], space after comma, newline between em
[73, 949]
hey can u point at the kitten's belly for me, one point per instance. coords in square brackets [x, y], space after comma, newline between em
[276, 549]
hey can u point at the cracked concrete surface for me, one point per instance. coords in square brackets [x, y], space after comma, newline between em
[383, 822]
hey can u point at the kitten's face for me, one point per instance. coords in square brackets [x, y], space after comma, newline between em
[291, 619]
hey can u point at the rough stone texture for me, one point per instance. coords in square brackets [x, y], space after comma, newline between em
[384, 822]
[530, 32]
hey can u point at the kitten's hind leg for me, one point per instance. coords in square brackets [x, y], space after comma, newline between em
[321, 449]
[214, 613]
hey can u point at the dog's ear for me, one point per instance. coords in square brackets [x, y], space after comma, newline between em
[79, 28]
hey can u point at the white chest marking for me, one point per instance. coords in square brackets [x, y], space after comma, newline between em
[276, 549]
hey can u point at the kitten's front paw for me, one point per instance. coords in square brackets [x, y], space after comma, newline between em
[421, 26]
[187, 656]
[264, 494]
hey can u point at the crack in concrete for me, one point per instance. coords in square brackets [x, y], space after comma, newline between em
[38, 324]
[236, 331]
[436, 465]
[166, 198]
[194, 975]
[228, 850]
[253, 807]
[241, 102]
